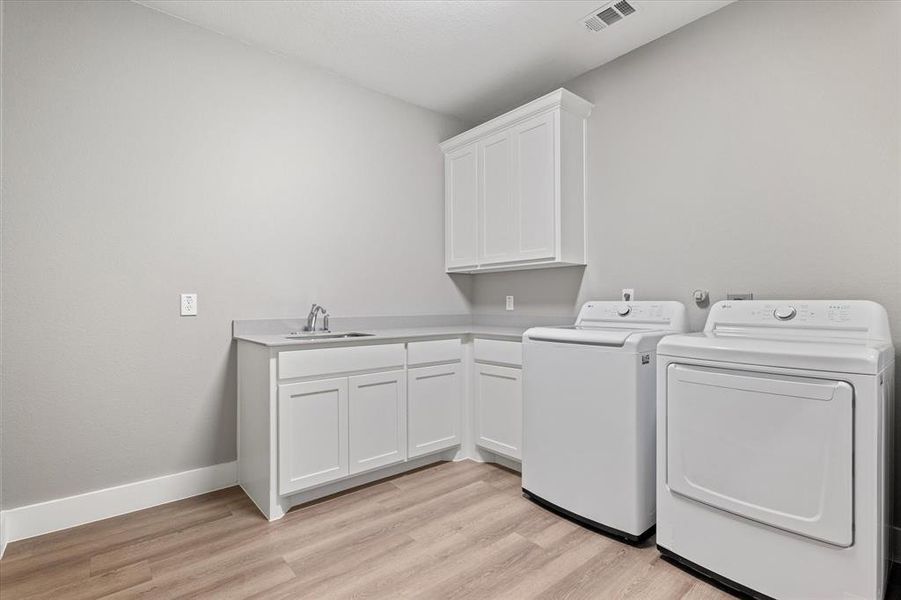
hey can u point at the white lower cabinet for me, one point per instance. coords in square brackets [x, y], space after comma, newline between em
[312, 433]
[498, 407]
[315, 421]
[378, 420]
[434, 398]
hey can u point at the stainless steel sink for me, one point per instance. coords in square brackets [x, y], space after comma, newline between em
[320, 335]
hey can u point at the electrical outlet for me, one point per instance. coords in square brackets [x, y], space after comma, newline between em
[509, 302]
[189, 305]
[628, 295]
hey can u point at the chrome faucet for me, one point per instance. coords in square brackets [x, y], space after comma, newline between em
[315, 310]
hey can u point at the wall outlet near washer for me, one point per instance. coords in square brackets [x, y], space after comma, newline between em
[509, 302]
[628, 294]
[189, 305]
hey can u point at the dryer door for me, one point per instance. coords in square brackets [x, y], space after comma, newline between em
[767, 447]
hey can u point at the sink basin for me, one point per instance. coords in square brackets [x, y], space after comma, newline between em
[319, 335]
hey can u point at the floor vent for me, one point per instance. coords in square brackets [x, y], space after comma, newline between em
[608, 15]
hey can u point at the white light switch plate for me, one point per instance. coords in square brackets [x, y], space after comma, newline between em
[189, 305]
[509, 302]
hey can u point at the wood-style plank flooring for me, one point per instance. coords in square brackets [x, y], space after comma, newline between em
[453, 530]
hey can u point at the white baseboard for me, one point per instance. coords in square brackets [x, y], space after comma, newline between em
[2, 533]
[363, 478]
[483, 455]
[45, 517]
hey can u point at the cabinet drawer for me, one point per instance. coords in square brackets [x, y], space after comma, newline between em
[498, 351]
[324, 361]
[435, 351]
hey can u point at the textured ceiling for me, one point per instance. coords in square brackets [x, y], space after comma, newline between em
[472, 59]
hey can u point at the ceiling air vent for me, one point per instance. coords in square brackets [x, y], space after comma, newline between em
[593, 23]
[624, 8]
[608, 15]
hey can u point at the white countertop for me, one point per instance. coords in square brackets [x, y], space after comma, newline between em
[388, 335]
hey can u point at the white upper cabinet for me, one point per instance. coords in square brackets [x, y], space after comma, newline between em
[535, 196]
[515, 188]
[461, 181]
[498, 232]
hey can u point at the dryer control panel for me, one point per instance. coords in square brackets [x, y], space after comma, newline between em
[845, 318]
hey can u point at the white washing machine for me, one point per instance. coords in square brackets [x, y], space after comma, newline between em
[588, 414]
[773, 448]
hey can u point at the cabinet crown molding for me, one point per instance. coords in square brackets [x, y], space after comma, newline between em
[560, 98]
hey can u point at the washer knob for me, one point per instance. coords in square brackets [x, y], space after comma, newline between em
[785, 313]
[623, 310]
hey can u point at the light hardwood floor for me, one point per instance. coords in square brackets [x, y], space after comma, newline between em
[454, 530]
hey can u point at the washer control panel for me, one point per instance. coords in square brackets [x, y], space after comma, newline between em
[858, 316]
[639, 314]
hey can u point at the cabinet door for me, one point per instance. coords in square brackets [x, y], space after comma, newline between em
[535, 187]
[461, 207]
[498, 233]
[498, 405]
[312, 433]
[378, 420]
[434, 396]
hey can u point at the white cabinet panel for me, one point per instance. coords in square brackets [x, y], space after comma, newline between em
[461, 209]
[530, 187]
[378, 420]
[312, 433]
[535, 187]
[434, 396]
[499, 240]
[498, 405]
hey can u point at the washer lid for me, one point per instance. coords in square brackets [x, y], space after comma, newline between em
[617, 324]
[838, 356]
[580, 335]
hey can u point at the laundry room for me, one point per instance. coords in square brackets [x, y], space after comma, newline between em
[450, 299]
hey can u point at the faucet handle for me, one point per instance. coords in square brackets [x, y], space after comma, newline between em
[325, 320]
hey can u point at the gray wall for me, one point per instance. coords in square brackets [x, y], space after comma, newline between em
[757, 149]
[146, 157]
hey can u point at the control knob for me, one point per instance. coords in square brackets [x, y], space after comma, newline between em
[785, 313]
